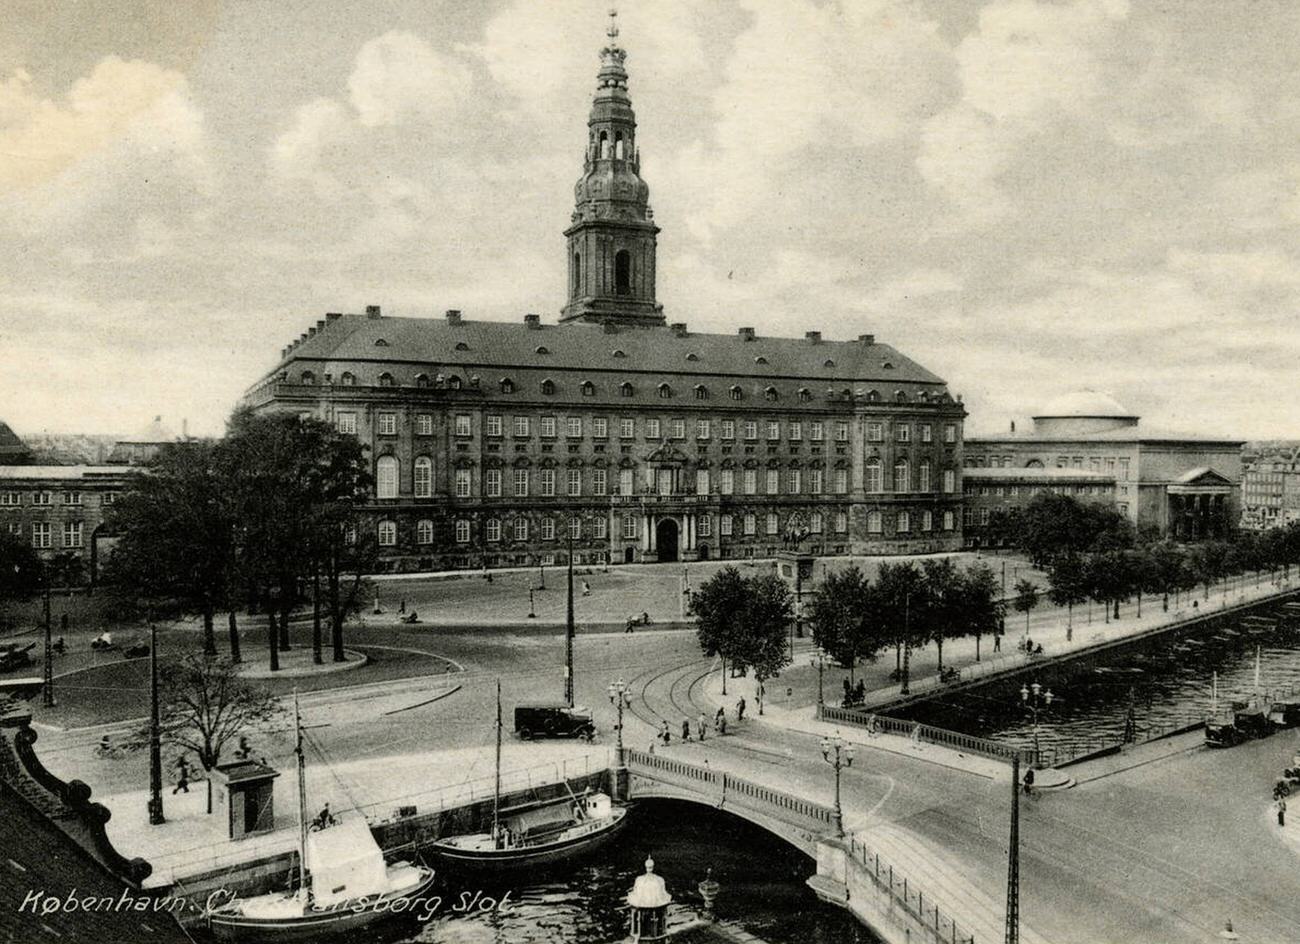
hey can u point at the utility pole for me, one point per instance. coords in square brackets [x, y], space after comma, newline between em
[47, 699]
[568, 632]
[156, 817]
[1013, 858]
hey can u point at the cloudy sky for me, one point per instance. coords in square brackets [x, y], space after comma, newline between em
[1026, 196]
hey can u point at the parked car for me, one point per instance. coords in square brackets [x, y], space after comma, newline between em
[12, 657]
[553, 721]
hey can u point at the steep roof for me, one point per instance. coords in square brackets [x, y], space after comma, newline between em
[488, 344]
[12, 449]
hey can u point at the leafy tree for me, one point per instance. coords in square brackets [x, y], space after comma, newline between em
[204, 705]
[766, 621]
[941, 611]
[20, 569]
[981, 602]
[842, 617]
[1163, 572]
[899, 587]
[1026, 598]
[1054, 526]
[719, 606]
[175, 532]
[1068, 587]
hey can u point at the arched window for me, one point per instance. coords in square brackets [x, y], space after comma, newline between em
[422, 380]
[588, 388]
[619, 151]
[424, 531]
[1034, 464]
[692, 356]
[625, 390]
[665, 391]
[622, 272]
[308, 378]
[617, 353]
[577, 273]
[873, 396]
[541, 349]
[736, 393]
[387, 533]
[348, 379]
[423, 477]
[769, 393]
[380, 342]
[804, 394]
[701, 392]
[760, 359]
[507, 385]
[900, 396]
[902, 476]
[604, 144]
[385, 379]
[873, 481]
[386, 477]
[828, 363]
[548, 387]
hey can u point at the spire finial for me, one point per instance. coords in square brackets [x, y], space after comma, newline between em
[612, 30]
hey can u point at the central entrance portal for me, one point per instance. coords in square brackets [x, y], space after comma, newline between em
[666, 540]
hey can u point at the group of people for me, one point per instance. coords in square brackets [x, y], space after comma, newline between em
[702, 726]
[633, 622]
[1028, 647]
[854, 694]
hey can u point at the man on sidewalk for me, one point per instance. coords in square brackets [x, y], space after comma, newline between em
[740, 709]
[700, 725]
[183, 777]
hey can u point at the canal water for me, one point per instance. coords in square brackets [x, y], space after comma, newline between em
[1167, 681]
[761, 878]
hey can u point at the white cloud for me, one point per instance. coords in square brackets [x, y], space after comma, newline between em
[399, 76]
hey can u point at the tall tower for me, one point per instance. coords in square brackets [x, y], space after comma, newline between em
[611, 241]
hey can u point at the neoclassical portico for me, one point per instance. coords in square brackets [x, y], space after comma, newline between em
[1198, 505]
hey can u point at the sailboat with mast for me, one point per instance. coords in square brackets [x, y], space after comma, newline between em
[343, 882]
[537, 833]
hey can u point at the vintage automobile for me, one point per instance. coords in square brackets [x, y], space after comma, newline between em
[1249, 721]
[14, 657]
[553, 721]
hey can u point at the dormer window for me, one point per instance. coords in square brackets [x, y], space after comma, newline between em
[385, 379]
[701, 392]
[665, 391]
[828, 363]
[453, 382]
[588, 388]
[462, 346]
[887, 365]
[804, 394]
[347, 379]
[548, 388]
[692, 356]
[900, 396]
[736, 393]
[541, 349]
[769, 394]
[625, 390]
[308, 378]
[760, 359]
[507, 385]
[380, 342]
[618, 353]
[422, 380]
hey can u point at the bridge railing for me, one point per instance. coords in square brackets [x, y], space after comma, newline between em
[969, 743]
[728, 788]
[940, 928]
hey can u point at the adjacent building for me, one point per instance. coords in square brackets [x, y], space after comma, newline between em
[1176, 485]
[633, 438]
[1270, 491]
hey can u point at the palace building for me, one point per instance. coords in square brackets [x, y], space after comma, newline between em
[498, 444]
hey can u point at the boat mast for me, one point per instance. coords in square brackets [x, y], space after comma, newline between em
[1257, 674]
[496, 790]
[1214, 694]
[302, 798]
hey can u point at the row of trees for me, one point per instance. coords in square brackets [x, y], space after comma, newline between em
[263, 519]
[745, 621]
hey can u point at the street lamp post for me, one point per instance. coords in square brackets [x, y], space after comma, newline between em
[47, 697]
[156, 817]
[620, 697]
[839, 754]
[819, 659]
[532, 610]
[1037, 698]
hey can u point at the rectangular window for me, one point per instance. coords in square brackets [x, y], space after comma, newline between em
[815, 481]
[796, 431]
[701, 429]
[386, 477]
[815, 522]
[902, 433]
[574, 426]
[521, 483]
[72, 498]
[984, 516]
[950, 432]
[841, 431]
[949, 481]
[701, 481]
[794, 481]
[547, 483]
[651, 429]
[521, 529]
[462, 424]
[679, 429]
[926, 434]
[424, 424]
[1123, 469]
[387, 534]
[773, 523]
[626, 485]
[727, 482]
[42, 498]
[927, 520]
[492, 483]
[815, 431]
[462, 483]
[548, 426]
[548, 529]
[751, 524]
[842, 522]
[462, 531]
[575, 527]
[387, 424]
[728, 429]
[494, 425]
[16, 530]
[875, 432]
[599, 482]
[346, 423]
[751, 429]
[724, 526]
[575, 483]
[751, 481]
[949, 521]
[841, 481]
[599, 428]
[626, 428]
[923, 477]
[629, 527]
[664, 481]
[601, 528]
[72, 534]
[904, 522]
[13, 499]
[521, 426]
[773, 481]
[704, 526]
[773, 429]
[422, 480]
[493, 529]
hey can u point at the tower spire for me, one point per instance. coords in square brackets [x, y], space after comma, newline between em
[611, 239]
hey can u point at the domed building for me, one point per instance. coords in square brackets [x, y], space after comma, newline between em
[1087, 444]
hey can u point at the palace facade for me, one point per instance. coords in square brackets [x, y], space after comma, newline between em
[498, 444]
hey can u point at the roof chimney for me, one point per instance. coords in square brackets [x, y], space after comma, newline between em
[678, 328]
[533, 321]
[333, 315]
[372, 311]
[747, 333]
[1013, 426]
[453, 316]
[867, 338]
[814, 336]
[312, 331]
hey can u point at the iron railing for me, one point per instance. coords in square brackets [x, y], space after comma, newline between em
[939, 927]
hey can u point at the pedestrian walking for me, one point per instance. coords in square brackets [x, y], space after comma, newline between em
[183, 777]
[1281, 811]
[997, 642]
[651, 748]
[631, 625]
[686, 729]
[1029, 782]
[916, 738]
[722, 725]
[586, 589]
[402, 608]
[740, 709]
[701, 725]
